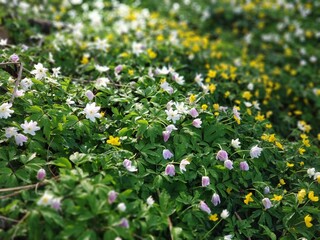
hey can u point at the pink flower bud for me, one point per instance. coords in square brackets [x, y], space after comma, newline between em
[215, 199]
[244, 166]
[166, 135]
[222, 155]
[41, 174]
[167, 154]
[204, 207]
[89, 95]
[118, 69]
[266, 203]
[197, 123]
[205, 181]
[14, 58]
[228, 164]
[170, 170]
[112, 196]
[194, 113]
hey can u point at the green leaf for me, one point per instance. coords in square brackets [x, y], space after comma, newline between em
[268, 232]
[62, 162]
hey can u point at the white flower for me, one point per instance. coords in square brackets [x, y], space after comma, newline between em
[224, 214]
[181, 107]
[5, 110]
[183, 164]
[316, 175]
[236, 112]
[26, 83]
[235, 143]
[171, 127]
[166, 87]
[255, 151]
[227, 237]
[3, 42]
[178, 79]
[311, 172]
[172, 115]
[101, 82]
[137, 48]
[250, 86]
[18, 93]
[199, 79]
[11, 131]
[39, 71]
[46, 199]
[150, 201]
[91, 111]
[121, 207]
[101, 69]
[89, 94]
[30, 127]
[56, 72]
[69, 101]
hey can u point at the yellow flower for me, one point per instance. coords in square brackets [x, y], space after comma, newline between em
[216, 107]
[248, 198]
[115, 141]
[272, 138]
[259, 117]
[151, 53]
[279, 145]
[212, 73]
[318, 136]
[84, 60]
[277, 197]
[192, 98]
[303, 136]
[204, 107]
[282, 182]
[214, 217]
[269, 125]
[306, 142]
[226, 94]
[247, 95]
[301, 194]
[212, 88]
[290, 165]
[131, 72]
[229, 189]
[301, 151]
[307, 221]
[312, 197]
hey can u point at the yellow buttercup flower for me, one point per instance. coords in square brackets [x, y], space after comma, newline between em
[301, 194]
[290, 165]
[312, 197]
[301, 151]
[282, 182]
[204, 107]
[277, 197]
[192, 98]
[307, 221]
[115, 141]
[212, 88]
[248, 198]
[213, 217]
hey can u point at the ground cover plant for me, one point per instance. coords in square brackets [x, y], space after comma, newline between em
[140, 120]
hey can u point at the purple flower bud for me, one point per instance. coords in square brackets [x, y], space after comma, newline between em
[112, 196]
[266, 190]
[89, 95]
[244, 166]
[170, 170]
[166, 135]
[204, 207]
[171, 127]
[215, 199]
[167, 154]
[124, 223]
[194, 113]
[41, 174]
[118, 69]
[56, 204]
[266, 203]
[228, 164]
[197, 123]
[14, 58]
[222, 155]
[205, 181]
